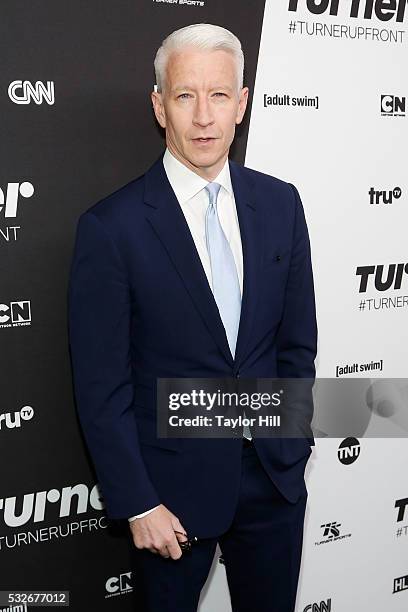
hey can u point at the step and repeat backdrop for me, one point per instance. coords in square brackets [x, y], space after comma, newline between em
[327, 112]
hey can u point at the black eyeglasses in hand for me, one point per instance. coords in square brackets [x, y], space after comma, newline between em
[187, 544]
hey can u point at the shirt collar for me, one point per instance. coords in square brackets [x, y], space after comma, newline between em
[186, 183]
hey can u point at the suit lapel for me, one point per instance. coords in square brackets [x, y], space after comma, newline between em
[167, 219]
[250, 225]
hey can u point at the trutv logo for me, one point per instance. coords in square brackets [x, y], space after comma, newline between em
[382, 196]
[13, 420]
[367, 9]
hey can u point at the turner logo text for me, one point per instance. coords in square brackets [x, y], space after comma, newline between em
[37, 506]
[381, 277]
[365, 9]
[9, 201]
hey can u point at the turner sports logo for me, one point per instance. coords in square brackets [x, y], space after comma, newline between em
[34, 507]
[24, 92]
[13, 420]
[331, 533]
[366, 9]
[15, 314]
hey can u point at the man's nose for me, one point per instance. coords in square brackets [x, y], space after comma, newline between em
[202, 112]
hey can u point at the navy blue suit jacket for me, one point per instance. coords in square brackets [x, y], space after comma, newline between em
[140, 307]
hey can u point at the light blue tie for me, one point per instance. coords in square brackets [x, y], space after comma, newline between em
[225, 281]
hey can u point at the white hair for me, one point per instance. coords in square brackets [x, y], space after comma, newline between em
[203, 36]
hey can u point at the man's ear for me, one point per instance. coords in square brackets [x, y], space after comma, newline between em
[242, 104]
[158, 108]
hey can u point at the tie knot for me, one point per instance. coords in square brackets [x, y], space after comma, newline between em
[213, 189]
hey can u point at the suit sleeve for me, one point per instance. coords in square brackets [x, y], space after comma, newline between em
[297, 333]
[99, 320]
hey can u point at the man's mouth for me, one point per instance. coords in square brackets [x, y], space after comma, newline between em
[203, 139]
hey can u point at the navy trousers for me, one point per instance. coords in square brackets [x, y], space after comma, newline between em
[262, 551]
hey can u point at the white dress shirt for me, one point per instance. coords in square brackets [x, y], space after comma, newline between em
[193, 199]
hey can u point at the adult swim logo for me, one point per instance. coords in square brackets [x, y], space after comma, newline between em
[392, 106]
[287, 100]
[15, 420]
[119, 585]
[9, 201]
[366, 9]
[15, 314]
[24, 92]
[383, 196]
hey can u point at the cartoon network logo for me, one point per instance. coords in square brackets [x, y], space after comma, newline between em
[24, 92]
[15, 314]
[13, 420]
[34, 506]
[119, 585]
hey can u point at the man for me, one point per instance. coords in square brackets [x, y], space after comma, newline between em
[199, 268]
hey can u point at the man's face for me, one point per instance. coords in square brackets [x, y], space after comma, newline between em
[200, 101]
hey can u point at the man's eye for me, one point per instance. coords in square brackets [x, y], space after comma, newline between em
[183, 94]
[219, 93]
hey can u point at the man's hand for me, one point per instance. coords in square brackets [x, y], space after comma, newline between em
[155, 531]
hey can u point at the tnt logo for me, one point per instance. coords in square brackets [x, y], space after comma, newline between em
[119, 585]
[392, 106]
[8, 202]
[23, 92]
[384, 197]
[323, 606]
[349, 451]
[15, 314]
